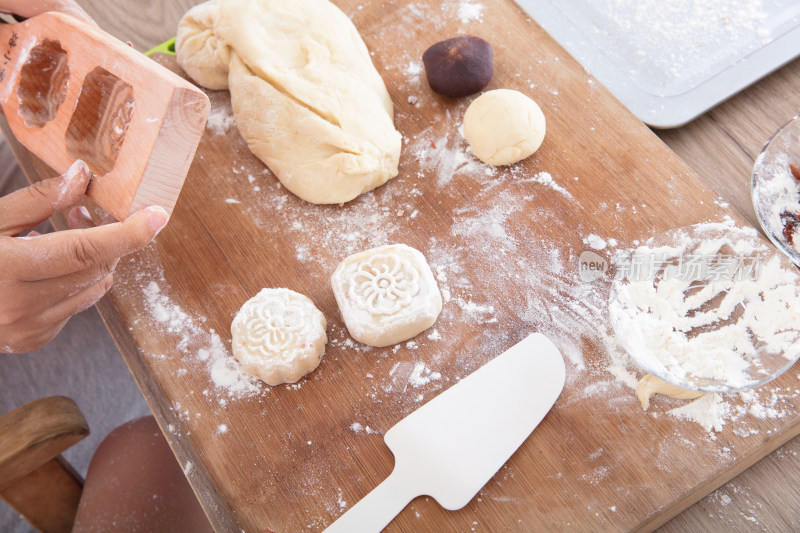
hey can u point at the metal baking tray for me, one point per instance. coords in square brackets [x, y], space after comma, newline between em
[669, 62]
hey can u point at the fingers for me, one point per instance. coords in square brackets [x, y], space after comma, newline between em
[58, 289]
[28, 341]
[79, 218]
[78, 302]
[25, 302]
[28, 207]
[58, 254]
[27, 333]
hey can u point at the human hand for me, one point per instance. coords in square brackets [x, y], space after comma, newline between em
[45, 279]
[30, 8]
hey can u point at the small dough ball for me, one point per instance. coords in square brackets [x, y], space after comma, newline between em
[279, 336]
[386, 295]
[503, 126]
[459, 66]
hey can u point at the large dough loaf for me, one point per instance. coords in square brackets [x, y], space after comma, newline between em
[305, 94]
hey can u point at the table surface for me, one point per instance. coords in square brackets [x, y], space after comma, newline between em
[721, 147]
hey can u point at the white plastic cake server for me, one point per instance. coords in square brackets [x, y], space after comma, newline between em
[450, 447]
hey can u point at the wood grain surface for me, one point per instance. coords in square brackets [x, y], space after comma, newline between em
[262, 463]
[34, 479]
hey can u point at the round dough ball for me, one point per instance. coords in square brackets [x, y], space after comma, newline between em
[503, 126]
[279, 336]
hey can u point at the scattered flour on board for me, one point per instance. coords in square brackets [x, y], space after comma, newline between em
[514, 278]
[405, 373]
[709, 410]
[446, 156]
[489, 223]
[546, 179]
[220, 120]
[469, 11]
[340, 500]
[199, 344]
[357, 427]
[413, 71]
[422, 375]
[595, 241]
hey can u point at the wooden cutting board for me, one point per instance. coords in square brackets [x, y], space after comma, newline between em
[504, 246]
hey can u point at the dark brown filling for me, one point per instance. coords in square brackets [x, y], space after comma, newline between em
[791, 221]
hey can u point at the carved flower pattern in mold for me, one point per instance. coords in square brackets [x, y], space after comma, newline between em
[384, 284]
[119, 125]
[274, 328]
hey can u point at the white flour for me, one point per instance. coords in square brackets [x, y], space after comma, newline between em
[518, 281]
[469, 11]
[446, 156]
[357, 427]
[595, 241]
[545, 178]
[709, 410]
[413, 71]
[422, 375]
[416, 374]
[195, 342]
[220, 119]
[672, 44]
[708, 326]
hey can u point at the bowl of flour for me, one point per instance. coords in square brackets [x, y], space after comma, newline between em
[710, 307]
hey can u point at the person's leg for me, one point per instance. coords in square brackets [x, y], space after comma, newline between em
[135, 483]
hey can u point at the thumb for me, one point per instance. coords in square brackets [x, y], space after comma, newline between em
[28, 207]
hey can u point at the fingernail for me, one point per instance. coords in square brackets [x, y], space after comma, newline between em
[157, 218]
[72, 184]
[77, 168]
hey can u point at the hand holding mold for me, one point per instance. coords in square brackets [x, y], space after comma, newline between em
[71, 91]
[45, 279]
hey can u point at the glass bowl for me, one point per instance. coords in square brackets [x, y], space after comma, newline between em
[710, 307]
[776, 191]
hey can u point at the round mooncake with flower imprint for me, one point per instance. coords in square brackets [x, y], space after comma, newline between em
[279, 336]
[386, 295]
